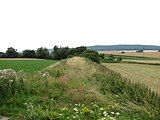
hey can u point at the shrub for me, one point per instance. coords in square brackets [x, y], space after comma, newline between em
[140, 51]
[92, 56]
[119, 59]
[102, 56]
[112, 59]
[10, 82]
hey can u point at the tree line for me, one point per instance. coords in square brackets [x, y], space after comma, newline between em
[57, 53]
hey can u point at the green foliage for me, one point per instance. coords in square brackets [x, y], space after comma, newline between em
[28, 54]
[67, 91]
[2, 55]
[77, 111]
[59, 53]
[102, 56]
[11, 53]
[92, 55]
[11, 83]
[42, 53]
[112, 59]
[65, 52]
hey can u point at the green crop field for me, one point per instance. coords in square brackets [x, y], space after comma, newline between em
[147, 74]
[27, 65]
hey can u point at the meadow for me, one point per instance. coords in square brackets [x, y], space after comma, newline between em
[75, 89]
[27, 65]
[145, 74]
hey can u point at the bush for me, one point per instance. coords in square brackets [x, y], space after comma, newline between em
[119, 59]
[112, 59]
[102, 56]
[92, 55]
[140, 51]
[11, 82]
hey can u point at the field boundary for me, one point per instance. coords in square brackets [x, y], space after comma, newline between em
[134, 62]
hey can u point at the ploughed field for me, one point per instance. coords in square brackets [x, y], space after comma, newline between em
[27, 65]
[147, 74]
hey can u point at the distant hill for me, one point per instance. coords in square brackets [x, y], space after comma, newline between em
[123, 47]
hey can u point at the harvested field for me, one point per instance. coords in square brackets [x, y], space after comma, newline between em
[147, 74]
[151, 54]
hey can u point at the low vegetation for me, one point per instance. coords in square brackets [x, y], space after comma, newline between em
[112, 59]
[27, 65]
[76, 88]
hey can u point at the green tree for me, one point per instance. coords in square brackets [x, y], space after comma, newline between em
[28, 54]
[42, 53]
[2, 55]
[60, 53]
[80, 50]
[11, 53]
[55, 48]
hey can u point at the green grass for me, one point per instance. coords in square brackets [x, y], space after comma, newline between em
[28, 66]
[147, 74]
[75, 88]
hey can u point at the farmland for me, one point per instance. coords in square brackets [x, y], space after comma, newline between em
[27, 65]
[149, 54]
[147, 74]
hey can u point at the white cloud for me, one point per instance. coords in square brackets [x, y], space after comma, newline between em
[34, 23]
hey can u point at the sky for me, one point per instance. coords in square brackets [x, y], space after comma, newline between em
[29, 24]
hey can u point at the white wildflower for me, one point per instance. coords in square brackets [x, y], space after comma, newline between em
[112, 113]
[75, 109]
[73, 117]
[101, 109]
[91, 111]
[117, 113]
[10, 80]
[105, 113]
[60, 114]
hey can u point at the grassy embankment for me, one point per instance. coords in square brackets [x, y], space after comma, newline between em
[77, 88]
